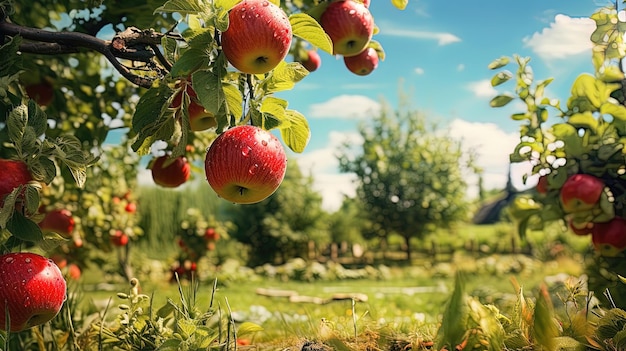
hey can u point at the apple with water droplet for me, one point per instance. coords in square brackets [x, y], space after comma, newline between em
[258, 36]
[362, 64]
[32, 290]
[350, 26]
[245, 164]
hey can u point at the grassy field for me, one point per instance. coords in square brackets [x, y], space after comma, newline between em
[407, 300]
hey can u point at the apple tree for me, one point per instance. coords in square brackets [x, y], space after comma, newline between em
[578, 161]
[411, 175]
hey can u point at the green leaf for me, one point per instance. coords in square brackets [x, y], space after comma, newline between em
[501, 78]
[455, 316]
[296, 136]
[499, 63]
[545, 328]
[247, 328]
[520, 116]
[11, 63]
[569, 135]
[226, 4]
[190, 61]
[16, 124]
[208, 87]
[23, 228]
[400, 4]
[37, 119]
[307, 28]
[150, 107]
[285, 76]
[184, 7]
[170, 345]
[500, 100]
[617, 111]
[583, 120]
[274, 106]
[186, 327]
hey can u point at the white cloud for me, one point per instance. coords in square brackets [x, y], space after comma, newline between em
[345, 106]
[566, 36]
[482, 88]
[492, 146]
[460, 67]
[419, 71]
[442, 38]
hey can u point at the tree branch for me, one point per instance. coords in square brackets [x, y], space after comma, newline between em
[132, 44]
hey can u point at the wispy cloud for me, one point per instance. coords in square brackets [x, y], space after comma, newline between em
[345, 106]
[442, 38]
[482, 88]
[565, 36]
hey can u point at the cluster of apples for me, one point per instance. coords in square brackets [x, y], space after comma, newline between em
[192, 248]
[588, 205]
[259, 36]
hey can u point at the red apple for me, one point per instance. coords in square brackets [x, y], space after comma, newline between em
[366, 3]
[581, 192]
[199, 118]
[59, 221]
[119, 238]
[312, 62]
[609, 239]
[350, 26]
[258, 36]
[170, 172]
[32, 290]
[542, 185]
[131, 207]
[362, 64]
[74, 271]
[211, 235]
[42, 92]
[245, 164]
[14, 174]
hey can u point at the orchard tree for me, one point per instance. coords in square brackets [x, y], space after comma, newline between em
[579, 161]
[411, 175]
[281, 226]
[178, 72]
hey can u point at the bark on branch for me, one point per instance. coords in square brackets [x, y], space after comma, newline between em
[132, 44]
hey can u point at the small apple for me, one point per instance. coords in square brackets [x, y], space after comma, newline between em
[350, 26]
[312, 62]
[542, 185]
[119, 238]
[170, 172]
[59, 221]
[42, 92]
[362, 64]
[32, 290]
[609, 238]
[130, 207]
[581, 192]
[211, 235]
[199, 118]
[245, 164]
[14, 174]
[74, 271]
[258, 36]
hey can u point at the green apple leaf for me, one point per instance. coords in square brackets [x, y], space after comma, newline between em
[189, 62]
[285, 76]
[274, 106]
[499, 63]
[296, 136]
[184, 7]
[208, 87]
[583, 120]
[379, 49]
[24, 228]
[234, 100]
[400, 4]
[617, 111]
[226, 4]
[152, 118]
[569, 135]
[501, 78]
[307, 28]
[266, 121]
[501, 100]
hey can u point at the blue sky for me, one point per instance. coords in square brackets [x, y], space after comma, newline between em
[438, 51]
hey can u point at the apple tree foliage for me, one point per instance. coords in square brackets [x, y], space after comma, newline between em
[587, 138]
[76, 75]
[411, 175]
[281, 226]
